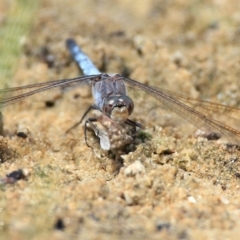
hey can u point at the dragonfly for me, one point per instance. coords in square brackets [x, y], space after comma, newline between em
[114, 106]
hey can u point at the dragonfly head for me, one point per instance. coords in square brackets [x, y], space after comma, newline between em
[118, 107]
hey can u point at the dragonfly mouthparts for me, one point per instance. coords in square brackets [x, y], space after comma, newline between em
[119, 114]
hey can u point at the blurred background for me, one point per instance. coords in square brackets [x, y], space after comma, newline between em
[189, 47]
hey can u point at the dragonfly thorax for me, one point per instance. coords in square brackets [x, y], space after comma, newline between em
[118, 107]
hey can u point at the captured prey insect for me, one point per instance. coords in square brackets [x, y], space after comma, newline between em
[114, 106]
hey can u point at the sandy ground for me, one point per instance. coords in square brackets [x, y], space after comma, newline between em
[169, 185]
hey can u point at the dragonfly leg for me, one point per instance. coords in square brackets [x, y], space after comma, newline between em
[135, 125]
[83, 116]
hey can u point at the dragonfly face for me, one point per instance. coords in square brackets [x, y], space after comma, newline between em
[118, 107]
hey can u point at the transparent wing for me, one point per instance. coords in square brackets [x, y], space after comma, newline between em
[9, 96]
[206, 107]
[198, 113]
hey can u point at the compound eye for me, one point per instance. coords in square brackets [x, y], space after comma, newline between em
[109, 104]
[127, 101]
